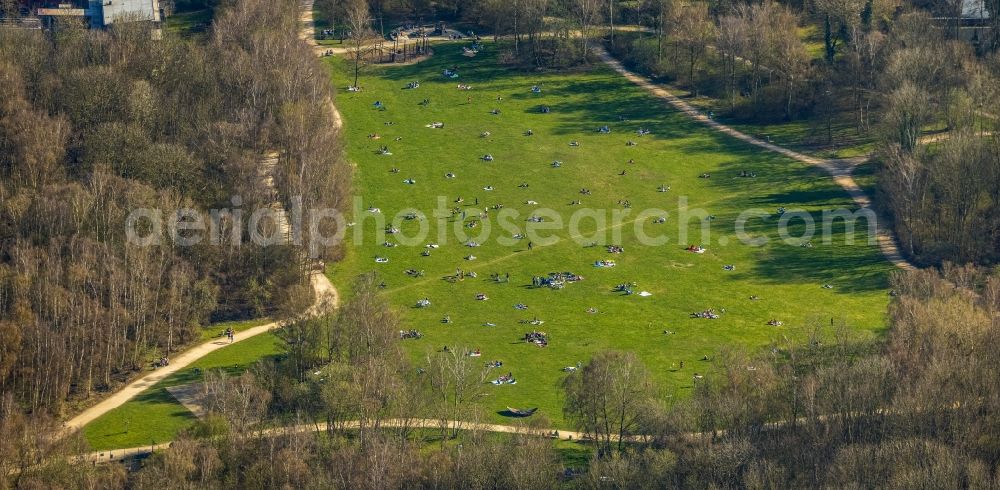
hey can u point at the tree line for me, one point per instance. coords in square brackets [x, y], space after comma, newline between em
[825, 409]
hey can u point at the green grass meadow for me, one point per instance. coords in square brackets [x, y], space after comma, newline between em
[786, 276]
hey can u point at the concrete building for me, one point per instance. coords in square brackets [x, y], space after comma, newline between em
[97, 13]
[103, 13]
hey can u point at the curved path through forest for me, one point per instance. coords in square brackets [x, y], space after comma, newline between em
[327, 296]
[839, 169]
[116, 455]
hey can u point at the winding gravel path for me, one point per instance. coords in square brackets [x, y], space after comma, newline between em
[839, 169]
[327, 296]
[115, 455]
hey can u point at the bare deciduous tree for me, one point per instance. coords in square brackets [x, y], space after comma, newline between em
[693, 31]
[586, 14]
[359, 21]
[605, 397]
[456, 380]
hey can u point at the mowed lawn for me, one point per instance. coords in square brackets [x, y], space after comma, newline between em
[155, 415]
[787, 277]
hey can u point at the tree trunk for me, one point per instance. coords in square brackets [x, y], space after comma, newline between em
[691, 50]
[357, 63]
[659, 42]
[828, 40]
[611, 18]
[790, 90]
[517, 47]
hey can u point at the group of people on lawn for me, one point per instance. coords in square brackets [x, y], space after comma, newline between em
[556, 280]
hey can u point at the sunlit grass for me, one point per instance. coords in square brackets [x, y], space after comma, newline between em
[787, 277]
[155, 415]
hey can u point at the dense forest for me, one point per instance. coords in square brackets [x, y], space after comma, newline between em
[96, 124]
